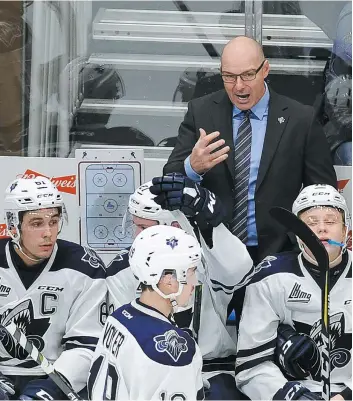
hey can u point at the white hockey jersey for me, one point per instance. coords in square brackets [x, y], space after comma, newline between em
[227, 267]
[142, 356]
[61, 312]
[284, 291]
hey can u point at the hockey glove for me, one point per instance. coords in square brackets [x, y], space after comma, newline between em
[295, 391]
[176, 192]
[297, 354]
[7, 387]
[42, 389]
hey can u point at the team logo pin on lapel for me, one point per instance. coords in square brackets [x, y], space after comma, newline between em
[281, 120]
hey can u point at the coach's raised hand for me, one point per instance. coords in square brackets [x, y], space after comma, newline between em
[205, 155]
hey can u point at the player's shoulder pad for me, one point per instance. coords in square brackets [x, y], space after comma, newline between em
[159, 340]
[78, 258]
[119, 263]
[284, 262]
[3, 260]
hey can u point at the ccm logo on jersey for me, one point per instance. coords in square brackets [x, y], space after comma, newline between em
[297, 295]
[51, 288]
[126, 314]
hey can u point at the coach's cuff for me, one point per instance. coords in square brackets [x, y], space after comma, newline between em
[190, 171]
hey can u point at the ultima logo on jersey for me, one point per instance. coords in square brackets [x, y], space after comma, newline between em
[65, 183]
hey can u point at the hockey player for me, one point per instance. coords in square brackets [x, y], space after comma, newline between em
[51, 289]
[286, 291]
[221, 275]
[141, 355]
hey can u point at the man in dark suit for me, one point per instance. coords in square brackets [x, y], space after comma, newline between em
[260, 149]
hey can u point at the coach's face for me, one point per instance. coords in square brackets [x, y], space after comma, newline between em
[244, 70]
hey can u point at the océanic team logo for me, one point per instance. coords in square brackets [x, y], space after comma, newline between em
[171, 343]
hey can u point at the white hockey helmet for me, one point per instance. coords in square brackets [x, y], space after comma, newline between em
[25, 194]
[160, 248]
[321, 195]
[142, 204]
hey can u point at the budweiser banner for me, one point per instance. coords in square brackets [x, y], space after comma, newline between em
[66, 183]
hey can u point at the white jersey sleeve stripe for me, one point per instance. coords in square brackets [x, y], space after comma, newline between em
[253, 351]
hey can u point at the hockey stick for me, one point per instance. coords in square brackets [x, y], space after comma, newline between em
[208, 46]
[197, 311]
[292, 223]
[17, 335]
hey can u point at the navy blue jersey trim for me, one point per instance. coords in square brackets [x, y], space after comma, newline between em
[28, 365]
[227, 287]
[221, 289]
[253, 351]
[222, 364]
[81, 339]
[177, 350]
[200, 394]
[3, 260]
[81, 259]
[118, 264]
[246, 277]
[253, 363]
[286, 262]
[69, 346]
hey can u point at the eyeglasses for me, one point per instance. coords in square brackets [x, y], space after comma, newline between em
[245, 76]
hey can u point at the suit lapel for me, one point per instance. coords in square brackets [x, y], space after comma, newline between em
[223, 122]
[277, 120]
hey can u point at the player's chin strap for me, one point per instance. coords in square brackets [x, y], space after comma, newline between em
[19, 247]
[171, 297]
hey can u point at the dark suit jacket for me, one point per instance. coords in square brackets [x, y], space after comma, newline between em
[295, 153]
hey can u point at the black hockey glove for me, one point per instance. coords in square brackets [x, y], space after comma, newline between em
[295, 391]
[42, 389]
[176, 192]
[7, 387]
[297, 354]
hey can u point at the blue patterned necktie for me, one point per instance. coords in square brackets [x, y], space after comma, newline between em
[242, 153]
